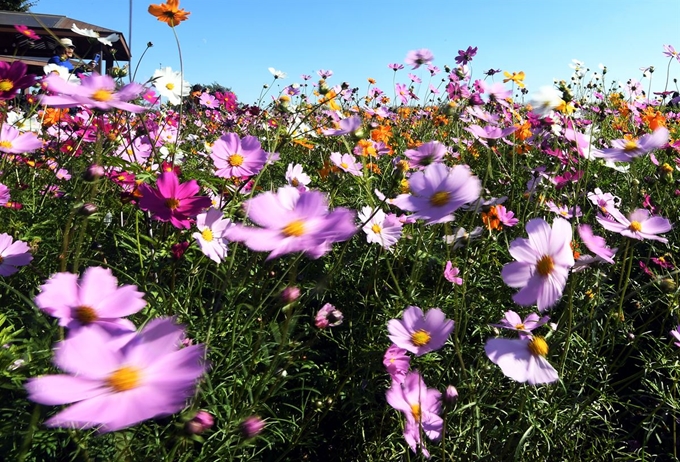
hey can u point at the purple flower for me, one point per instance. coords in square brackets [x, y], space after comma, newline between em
[420, 333]
[94, 91]
[490, 132]
[328, 316]
[426, 154]
[403, 92]
[505, 216]
[451, 274]
[201, 422]
[543, 263]
[95, 298]
[12, 255]
[512, 321]
[347, 125]
[173, 201]
[670, 52]
[4, 194]
[13, 78]
[417, 58]
[12, 141]
[296, 177]
[639, 225]
[438, 191]
[395, 66]
[235, 157]
[523, 360]
[421, 407]
[564, 210]
[450, 395]
[252, 426]
[675, 333]
[397, 363]
[113, 387]
[625, 150]
[596, 244]
[347, 163]
[605, 201]
[293, 222]
[324, 74]
[466, 56]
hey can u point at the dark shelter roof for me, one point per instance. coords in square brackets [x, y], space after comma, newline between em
[51, 28]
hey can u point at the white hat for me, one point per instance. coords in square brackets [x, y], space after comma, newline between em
[67, 43]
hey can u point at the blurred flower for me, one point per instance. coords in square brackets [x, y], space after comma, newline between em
[169, 13]
[178, 249]
[543, 263]
[212, 235]
[113, 387]
[236, 157]
[596, 244]
[25, 31]
[625, 150]
[4, 194]
[13, 254]
[201, 422]
[290, 294]
[108, 40]
[94, 91]
[512, 321]
[347, 125]
[639, 225]
[426, 154]
[171, 84]
[397, 362]
[547, 99]
[420, 333]
[252, 426]
[451, 274]
[515, 77]
[676, 335]
[328, 316]
[12, 141]
[395, 66]
[523, 359]
[451, 395]
[670, 52]
[293, 222]
[13, 79]
[465, 56]
[173, 201]
[276, 73]
[417, 58]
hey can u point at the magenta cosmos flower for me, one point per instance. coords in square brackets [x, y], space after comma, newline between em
[173, 201]
[95, 91]
[292, 221]
[13, 254]
[95, 298]
[438, 191]
[451, 274]
[13, 79]
[523, 359]
[12, 141]
[114, 388]
[639, 225]
[238, 157]
[543, 263]
[420, 333]
[421, 407]
[624, 150]
[417, 58]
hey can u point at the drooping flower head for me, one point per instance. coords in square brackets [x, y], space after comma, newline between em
[420, 333]
[13, 254]
[236, 157]
[169, 12]
[543, 263]
[95, 298]
[114, 388]
[523, 359]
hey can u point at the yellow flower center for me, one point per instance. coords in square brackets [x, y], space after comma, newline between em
[295, 228]
[415, 411]
[344, 165]
[102, 95]
[440, 198]
[207, 234]
[404, 186]
[6, 144]
[124, 379]
[538, 346]
[635, 226]
[172, 203]
[170, 86]
[545, 265]
[420, 338]
[631, 145]
[85, 314]
[236, 160]
[6, 85]
[667, 169]
[376, 228]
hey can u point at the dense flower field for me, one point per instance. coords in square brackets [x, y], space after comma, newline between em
[464, 270]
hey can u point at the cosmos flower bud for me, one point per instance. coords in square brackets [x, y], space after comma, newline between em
[451, 395]
[668, 285]
[93, 172]
[201, 422]
[88, 209]
[252, 426]
[290, 294]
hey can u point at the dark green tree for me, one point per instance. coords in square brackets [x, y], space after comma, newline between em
[21, 6]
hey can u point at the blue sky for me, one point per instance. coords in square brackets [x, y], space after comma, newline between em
[233, 42]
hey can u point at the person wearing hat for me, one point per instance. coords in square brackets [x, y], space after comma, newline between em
[64, 54]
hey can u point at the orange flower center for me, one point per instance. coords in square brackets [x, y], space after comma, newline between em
[172, 203]
[545, 265]
[6, 85]
[102, 95]
[440, 198]
[420, 338]
[520, 326]
[635, 226]
[85, 314]
[295, 228]
[415, 411]
[124, 379]
[236, 160]
[538, 346]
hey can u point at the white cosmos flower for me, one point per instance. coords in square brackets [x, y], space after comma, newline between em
[171, 85]
[277, 74]
[62, 71]
[547, 99]
[108, 40]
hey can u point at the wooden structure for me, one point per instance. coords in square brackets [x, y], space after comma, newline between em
[51, 28]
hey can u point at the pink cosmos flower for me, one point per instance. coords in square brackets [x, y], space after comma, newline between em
[438, 191]
[13, 254]
[347, 163]
[402, 92]
[212, 235]
[397, 363]
[417, 58]
[639, 225]
[4, 194]
[564, 210]
[451, 274]
[523, 359]
[347, 125]
[200, 423]
[380, 228]
[12, 141]
[676, 335]
[328, 316]
[94, 91]
[543, 263]
[173, 201]
[421, 407]
[420, 333]
[235, 157]
[490, 132]
[252, 426]
[208, 100]
[293, 222]
[296, 177]
[426, 154]
[596, 244]
[505, 216]
[114, 387]
[512, 321]
[95, 298]
[670, 52]
[14, 78]
[626, 150]
[606, 202]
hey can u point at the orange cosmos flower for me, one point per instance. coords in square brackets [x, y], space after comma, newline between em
[169, 13]
[491, 220]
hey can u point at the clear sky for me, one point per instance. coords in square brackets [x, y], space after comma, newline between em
[233, 42]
